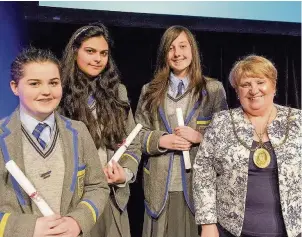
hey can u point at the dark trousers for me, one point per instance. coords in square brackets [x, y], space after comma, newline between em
[223, 232]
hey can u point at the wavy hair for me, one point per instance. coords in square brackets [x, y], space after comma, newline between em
[77, 87]
[160, 82]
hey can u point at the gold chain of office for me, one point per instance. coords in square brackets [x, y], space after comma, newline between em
[261, 156]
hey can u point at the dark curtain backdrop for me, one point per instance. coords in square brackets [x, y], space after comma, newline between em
[135, 54]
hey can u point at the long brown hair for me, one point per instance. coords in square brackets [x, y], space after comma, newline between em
[77, 87]
[160, 82]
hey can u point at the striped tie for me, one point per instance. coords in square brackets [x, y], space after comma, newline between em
[37, 132]
[179, 89]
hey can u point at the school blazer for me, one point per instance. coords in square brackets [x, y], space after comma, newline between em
[221, 170]
[157, 166]
[81, 169]
[130, 159]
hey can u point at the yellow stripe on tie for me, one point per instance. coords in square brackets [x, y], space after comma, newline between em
[148, 141]
[3, 223]
[130, 156]
[81, 172]
[146, 170]
[91, 209]
[202, 122]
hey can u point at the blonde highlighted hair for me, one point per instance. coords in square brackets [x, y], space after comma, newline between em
[253, 66]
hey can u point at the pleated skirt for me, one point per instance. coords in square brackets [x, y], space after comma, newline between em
[176, 220]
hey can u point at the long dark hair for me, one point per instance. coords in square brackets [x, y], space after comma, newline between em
[160, 82]
[77, 87]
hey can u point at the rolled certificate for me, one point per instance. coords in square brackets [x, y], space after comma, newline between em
[186, 154]
[118, 154]
[23, 181]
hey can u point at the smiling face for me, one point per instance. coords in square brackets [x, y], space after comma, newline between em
[256, 95]
[180, 55]
[39, 89]
[92, 56]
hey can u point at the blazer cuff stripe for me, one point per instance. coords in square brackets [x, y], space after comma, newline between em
[131, 156]
[92, 208]
[146, 170]
[203, 122]
[3, 223]
[148, 143]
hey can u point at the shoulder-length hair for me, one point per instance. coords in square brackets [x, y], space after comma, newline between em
[160, 82]
[77, 87]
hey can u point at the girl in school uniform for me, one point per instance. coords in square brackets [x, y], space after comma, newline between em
[93, 93]
[55, 153]
[178, 82]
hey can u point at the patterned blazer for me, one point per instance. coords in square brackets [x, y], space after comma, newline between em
[85, 189]
[157, 168]
[221, 170]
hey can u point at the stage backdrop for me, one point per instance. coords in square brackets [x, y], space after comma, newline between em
[137, 36]
[13, 38]
[286, 11]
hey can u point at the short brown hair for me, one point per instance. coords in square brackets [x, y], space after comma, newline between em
[253, 66]
[31, 55]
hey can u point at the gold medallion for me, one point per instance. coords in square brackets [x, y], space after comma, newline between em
[262, 158]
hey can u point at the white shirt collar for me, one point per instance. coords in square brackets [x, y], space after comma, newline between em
[174, 81]
[30, 123]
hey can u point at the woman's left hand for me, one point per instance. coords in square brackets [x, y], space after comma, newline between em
[115, 174]
[188, 133]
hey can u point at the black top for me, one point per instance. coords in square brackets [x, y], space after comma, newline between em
[263, 215]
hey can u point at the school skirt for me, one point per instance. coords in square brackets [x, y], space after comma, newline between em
[176, 220]
[112, 222]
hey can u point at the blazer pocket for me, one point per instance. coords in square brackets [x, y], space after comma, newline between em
[81, 177]
[202, 122]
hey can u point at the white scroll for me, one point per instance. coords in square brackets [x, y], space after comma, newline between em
[118, 154]
[23, 181]
[186, 154]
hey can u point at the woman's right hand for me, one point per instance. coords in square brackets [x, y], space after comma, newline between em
[174, 142]
[210, 230]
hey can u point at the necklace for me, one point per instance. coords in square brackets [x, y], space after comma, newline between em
[261, 156]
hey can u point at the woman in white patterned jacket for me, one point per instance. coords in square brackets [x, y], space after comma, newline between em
[247, 179]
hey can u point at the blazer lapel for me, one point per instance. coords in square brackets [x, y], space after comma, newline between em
[69, 138]
[11, 146]
[243, 128]
[278, 126]
[192, 108]
[162, 115]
